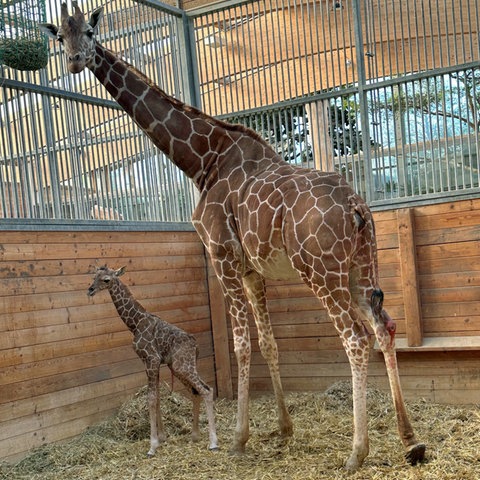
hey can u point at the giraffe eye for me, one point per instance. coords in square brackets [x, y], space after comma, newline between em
[59, 39]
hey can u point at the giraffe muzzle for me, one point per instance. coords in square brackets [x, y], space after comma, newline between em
[76, 63]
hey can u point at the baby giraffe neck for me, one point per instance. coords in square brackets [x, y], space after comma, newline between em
[128, 308]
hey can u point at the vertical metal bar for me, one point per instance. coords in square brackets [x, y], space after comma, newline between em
[363, 101]
[48, 120]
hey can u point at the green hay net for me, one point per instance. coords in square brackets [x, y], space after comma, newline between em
[22, 46]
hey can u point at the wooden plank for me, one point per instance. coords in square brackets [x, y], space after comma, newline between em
[461, 325]
[60, 316]
[94, 252]
[304, 357]
[61, 381]
[448, 235]
[79, 237]
[449, 265]
[54, 349]
[441, 344]
[463, 309]
[438, 344]
[61, 398]
[69, 283]
[56, 267]
[220, 336]
[463, 212]
[171, 294]
[45, 368]
[457, 294]
[449, 280]
[18, 446]
[295, 317]
[408, 262]
[465, 249]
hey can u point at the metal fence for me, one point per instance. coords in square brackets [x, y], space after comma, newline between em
[386, 92]
[69, 152]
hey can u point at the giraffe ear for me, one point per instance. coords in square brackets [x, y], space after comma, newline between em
[120, 271]
[96, 17]
[49, 29]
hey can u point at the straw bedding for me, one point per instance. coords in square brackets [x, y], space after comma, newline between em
[116, 449]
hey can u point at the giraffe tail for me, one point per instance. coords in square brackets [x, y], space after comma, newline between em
[381, 316]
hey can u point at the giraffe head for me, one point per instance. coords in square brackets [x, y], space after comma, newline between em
[103, 279]
[76, 35]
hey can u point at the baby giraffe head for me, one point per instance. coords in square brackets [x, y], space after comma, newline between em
[76, 36]
[104, 278]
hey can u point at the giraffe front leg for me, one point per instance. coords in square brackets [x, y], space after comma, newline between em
[415, 451]
[242, 349]
[229, 272]
[156, 423]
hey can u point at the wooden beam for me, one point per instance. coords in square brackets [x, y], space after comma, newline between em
[318, 113]
[220, 336]
[440, 344]
[408, 262]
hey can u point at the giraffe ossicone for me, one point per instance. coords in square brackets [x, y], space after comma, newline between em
[261, 218]
[158, 342]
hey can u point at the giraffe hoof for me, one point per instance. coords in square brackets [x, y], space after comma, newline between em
[415, 453]
[237, 450]
[286, 431]
[214, 449]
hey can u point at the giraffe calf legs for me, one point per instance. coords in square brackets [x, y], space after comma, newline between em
[190, 378]
[212, 433]
[207, 395]
[157, 434]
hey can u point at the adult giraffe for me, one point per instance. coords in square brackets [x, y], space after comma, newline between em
[260, 217]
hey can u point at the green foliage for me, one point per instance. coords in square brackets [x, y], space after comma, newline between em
[22, 46]
[23, 53]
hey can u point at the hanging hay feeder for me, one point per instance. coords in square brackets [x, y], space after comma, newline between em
[22, 45]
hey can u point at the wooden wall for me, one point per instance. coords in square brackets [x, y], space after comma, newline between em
[66, 360]
[446, 280]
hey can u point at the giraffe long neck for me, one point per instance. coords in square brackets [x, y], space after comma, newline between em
[128, 308]
[190, 138]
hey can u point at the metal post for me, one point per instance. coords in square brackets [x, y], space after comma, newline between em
[363, 101]
[51, 150]
[188, 60]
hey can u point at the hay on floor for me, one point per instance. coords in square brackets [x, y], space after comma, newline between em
[116, 449]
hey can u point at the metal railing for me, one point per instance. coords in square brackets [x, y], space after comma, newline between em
[387, 93]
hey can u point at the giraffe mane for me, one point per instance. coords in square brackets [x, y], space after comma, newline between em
[232, 127]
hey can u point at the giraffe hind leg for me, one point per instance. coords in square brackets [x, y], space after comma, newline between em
[199, 390]
[254, 286]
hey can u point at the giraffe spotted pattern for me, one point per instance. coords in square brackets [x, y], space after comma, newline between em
[158, 342]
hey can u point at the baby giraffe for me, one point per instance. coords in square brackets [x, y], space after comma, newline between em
[157, 342]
